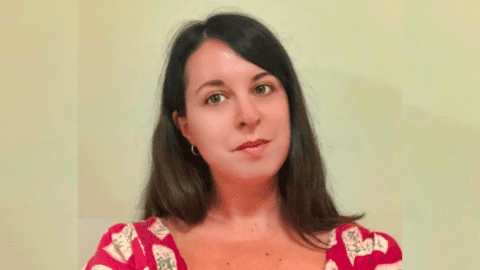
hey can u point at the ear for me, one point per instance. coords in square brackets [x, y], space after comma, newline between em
[182, 125]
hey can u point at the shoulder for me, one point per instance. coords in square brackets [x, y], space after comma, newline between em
[355, 247]
[129, 245]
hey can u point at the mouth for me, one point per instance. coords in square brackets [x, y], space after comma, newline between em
[251, 144]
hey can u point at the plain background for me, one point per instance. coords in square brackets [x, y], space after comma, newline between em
[392, 87]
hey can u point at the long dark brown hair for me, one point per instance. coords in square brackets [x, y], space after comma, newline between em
[180, 183]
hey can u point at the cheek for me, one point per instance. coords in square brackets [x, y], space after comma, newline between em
[217, 124]
[211, 129]
[282, 114]
[284, 126]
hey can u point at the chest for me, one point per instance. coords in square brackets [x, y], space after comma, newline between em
[250, 255]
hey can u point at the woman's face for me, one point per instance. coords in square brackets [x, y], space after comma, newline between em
[228, 103]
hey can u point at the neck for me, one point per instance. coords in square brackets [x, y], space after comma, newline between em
[250, 206]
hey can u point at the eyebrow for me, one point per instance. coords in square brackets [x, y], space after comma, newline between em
[221, 83]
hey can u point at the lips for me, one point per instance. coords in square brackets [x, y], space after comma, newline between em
[251, 144]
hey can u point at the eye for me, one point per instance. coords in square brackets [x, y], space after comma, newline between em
[263, 86]
[216, 96]
[210, 98]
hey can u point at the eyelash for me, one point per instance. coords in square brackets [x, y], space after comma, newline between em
[272, 89]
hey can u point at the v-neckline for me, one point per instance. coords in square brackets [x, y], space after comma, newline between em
[331, 242]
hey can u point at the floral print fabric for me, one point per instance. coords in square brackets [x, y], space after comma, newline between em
[148, 245]
[355, 247]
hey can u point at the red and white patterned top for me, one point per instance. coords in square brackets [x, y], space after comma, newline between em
[148, 245]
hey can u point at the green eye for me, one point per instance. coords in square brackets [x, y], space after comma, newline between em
[263, 86]
[211, 98]
[216, 96]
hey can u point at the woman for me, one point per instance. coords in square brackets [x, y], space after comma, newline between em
[237, 180]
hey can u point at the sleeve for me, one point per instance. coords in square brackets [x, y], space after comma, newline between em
[114, 250]
[387, 254]
[361, 249]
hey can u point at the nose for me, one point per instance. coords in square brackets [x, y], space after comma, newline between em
[248, 113]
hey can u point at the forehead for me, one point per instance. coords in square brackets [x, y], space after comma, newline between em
[215, 58]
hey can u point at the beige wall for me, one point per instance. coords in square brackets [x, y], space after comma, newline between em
[441, 134]
[393, 88]
[38, 134]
